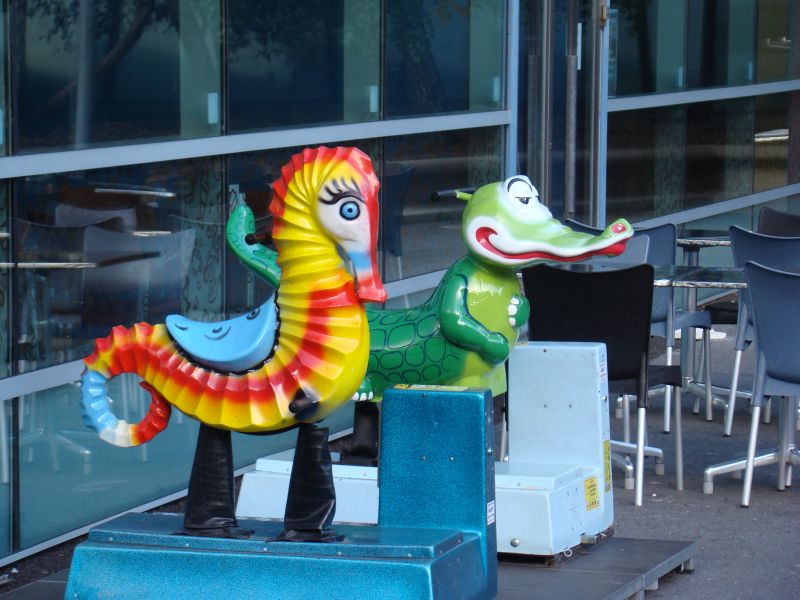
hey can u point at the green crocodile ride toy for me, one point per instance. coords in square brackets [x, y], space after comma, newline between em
[465, 331]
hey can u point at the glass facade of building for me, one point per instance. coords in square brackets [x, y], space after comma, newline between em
[731, 137]
[128, 129]
[95, 231]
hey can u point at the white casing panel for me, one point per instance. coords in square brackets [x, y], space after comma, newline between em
[555, 487]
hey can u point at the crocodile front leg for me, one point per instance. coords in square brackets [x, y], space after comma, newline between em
[463, 330]
[519, 309]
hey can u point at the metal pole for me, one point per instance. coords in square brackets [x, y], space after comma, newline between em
[570, 113]
[83, 104]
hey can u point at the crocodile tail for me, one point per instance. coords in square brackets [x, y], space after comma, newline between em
[95, 407]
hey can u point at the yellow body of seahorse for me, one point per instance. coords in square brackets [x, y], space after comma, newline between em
[324, 198]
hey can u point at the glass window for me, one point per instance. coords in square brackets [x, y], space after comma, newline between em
[113, 246]
[420, 235]
[108, 71]
[771, 150]
[719, 151]
[775, 51]
[6, 478]
[669, 159]
[720, 42]
[646, 47]
[645, 163]
[443, 57]
[295, 63]
[3, 112]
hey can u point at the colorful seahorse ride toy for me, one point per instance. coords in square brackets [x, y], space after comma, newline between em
[289, 363]
[463, 334]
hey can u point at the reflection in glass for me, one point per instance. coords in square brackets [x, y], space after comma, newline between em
[95, 480]
[720, 42]
[113, 246]
[719, 151]
[664, 160]
[3, 110]
[777, 55]
[645, 47]
[295, 63]
[104, 71]
[6, 477]
[443, 57]
[771, 149]
[645, 163]
[419, 235]
[6, 278]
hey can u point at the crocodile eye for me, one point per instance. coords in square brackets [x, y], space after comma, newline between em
[349, 210]
[521, 189]
[253, 314]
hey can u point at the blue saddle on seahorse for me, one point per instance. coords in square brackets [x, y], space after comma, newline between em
[234, 345]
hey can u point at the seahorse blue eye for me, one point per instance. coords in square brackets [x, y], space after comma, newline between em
[349, 210]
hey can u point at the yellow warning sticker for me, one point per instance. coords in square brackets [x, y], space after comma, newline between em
[607, 463]
[591, 493]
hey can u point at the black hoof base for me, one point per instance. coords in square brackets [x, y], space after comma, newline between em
[220, 532]
[324, 536]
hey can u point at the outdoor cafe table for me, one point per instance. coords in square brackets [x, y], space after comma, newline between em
[692, 241]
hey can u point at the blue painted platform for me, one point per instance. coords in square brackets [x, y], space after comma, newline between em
[400, 562]
[432, 540]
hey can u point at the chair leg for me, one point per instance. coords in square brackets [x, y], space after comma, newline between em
[641, 416]
[626, 418]
[678, 441]
[751, 453]
[667, 396]
[737, 363]
[707, 363]
[624, 463]
[785, 437]
[767, 412]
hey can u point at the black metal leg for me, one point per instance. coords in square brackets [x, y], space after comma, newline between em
[311, 503]
[362, 447]
[210, 504]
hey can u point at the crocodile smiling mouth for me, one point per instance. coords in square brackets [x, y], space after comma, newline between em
[483, 233]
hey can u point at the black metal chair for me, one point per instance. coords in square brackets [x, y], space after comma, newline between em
[665, 318]
[778, 223]
[589, 306]
[770, 222]
[772, 305]
[775, 252]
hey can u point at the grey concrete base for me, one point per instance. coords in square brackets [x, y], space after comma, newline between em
[616, 569]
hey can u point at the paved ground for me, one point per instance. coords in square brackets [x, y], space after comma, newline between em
[744, 553]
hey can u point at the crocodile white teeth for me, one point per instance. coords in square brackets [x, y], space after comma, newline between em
[512, 321]
[515, 300]
[370, 396]
[512, 309]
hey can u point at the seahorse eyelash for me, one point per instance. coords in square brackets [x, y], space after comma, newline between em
[338, 188]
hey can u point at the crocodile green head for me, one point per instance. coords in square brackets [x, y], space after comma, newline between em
[505, 224]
